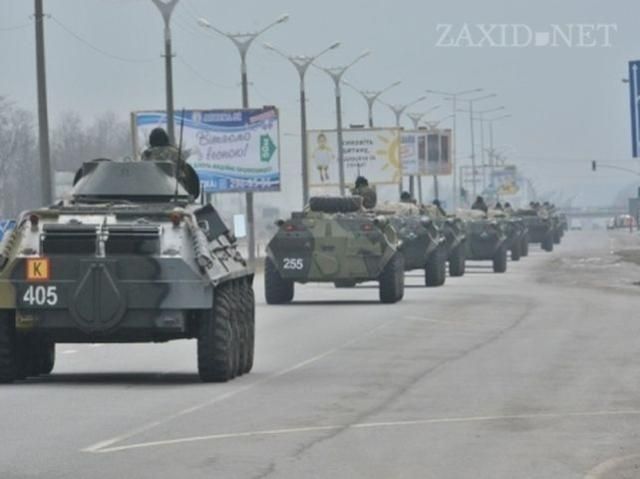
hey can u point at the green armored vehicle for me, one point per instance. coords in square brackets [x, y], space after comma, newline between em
[540, 227]
[487, 239]
[129, 257]
[421, 241]
[334, 240]
[454, 230]
[517, 233]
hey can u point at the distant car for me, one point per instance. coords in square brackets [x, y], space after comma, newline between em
[576, 225]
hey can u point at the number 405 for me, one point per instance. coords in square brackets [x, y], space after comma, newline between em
[40, 296]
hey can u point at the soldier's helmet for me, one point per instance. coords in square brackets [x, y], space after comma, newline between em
[361, 181]
[158, 137]
[405, 197]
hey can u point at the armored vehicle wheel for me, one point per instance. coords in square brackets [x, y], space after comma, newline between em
[557, 237]
[8, 348]
[45, 353]
[457, 261]
[335, 204]
[524, 246]
[345, 283]
[216, 344]
[276, 289]
[500, 260]
[391, 281]
[435, 271]
[547, 244]
[516, 253]
[248, 300]
[237, 325]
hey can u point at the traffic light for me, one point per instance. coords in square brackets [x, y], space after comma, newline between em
[593, 165]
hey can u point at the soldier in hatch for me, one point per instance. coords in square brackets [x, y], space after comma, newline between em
[438, 205]
[480, 205]
[362, 188]
[405, 197]
[160, 149]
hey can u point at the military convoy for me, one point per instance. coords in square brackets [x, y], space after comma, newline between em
[334, 240]
[128, 257]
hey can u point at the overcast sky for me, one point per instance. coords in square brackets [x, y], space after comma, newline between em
[568, 104]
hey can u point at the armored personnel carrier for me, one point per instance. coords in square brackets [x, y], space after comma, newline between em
[421, 242]
[454, 230]
[128, 257]
[540, 227]
[334, 240]
[517, 233]
[487, 239]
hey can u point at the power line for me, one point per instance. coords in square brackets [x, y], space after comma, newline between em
[15, 27]
[97, 49]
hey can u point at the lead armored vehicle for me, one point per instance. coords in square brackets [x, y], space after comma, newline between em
[421, 241]
[128, 257]
[334, 240]
[487, 239]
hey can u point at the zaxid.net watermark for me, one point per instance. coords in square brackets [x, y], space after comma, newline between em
[520, 35]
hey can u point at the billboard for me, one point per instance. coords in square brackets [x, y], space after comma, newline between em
[231, 150]
[426, 152]
[373, 153]
[505, 181]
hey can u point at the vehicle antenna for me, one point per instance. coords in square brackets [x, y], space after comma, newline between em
[179, 162]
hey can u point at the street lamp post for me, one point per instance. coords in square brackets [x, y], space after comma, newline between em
[454, 97]
[473, 147]
[480, 118]
[166, 8]
[492, 151]
[243, 42]
[371, 96]
[336, 74]
[43, 115]
[398, 111]
[302, 64]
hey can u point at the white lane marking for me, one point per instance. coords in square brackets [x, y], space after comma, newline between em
[97, 447]
[600, 470]
[70, 351]
[428, 320]
[371, 425]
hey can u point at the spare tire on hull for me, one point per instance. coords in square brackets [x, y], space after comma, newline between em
[335, 204]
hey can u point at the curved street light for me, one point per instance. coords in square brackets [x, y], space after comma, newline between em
[371, 96]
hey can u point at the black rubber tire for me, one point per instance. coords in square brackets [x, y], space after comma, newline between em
[8, 348]
[248, 299]
[457, 261]
[391, 280]
[547, 243]
[276, 289]
[500, 260]
[335, 204]
[435, 271]
[46, 356]
[524, 246]
[345, 283]
[238, 328]
[216, 342]
[516, 252]
[557, 237]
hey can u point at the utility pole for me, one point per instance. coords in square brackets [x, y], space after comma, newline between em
[166, 9]
[43, 116]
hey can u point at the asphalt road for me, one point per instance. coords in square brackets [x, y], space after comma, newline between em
[530, 374]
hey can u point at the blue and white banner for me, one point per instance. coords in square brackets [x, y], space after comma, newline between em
[5, 227]
[231, 150]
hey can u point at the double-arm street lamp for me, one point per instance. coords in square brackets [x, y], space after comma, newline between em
[471, 102]
[454, 100]
[371, 96]
[336, 74]
[416, 117]
[243, 42]
[302, 64]
[166, 8]
[398, 111]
